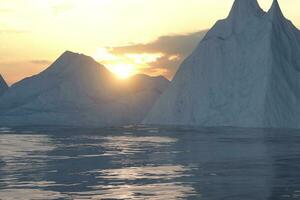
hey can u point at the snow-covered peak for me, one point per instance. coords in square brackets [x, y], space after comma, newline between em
[3, 85]
[275, 11]
[245, 8]
[69, 55]
[2, 81]
[243, 14]
[72, 62]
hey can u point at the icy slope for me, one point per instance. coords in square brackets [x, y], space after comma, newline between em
[76, 90]
[245, 73]
[3, 85]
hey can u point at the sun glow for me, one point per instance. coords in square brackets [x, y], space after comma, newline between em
[144, 58]
[108, 23]
[116, 64]
[123, 71]
[125, 65]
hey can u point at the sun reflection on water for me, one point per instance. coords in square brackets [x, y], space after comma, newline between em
[159, 183]
[157, 191]
[48, 167]
[119, 145]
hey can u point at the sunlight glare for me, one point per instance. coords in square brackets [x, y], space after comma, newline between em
[123, 71]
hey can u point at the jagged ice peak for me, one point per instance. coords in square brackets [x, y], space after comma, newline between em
[275, 11]
[245, 8]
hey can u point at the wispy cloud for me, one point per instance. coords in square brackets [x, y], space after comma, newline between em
[41, 62]
[171, 44]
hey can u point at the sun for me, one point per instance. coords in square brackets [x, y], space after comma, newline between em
[125, 65]
[121, 66]
[123, 71]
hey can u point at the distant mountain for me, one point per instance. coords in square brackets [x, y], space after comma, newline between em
[244, 73]
[77, 91]
[3, 85]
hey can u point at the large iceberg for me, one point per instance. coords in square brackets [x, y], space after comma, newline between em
[77, 91]
[244, 73]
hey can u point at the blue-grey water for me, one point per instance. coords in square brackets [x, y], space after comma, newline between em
[137, 162]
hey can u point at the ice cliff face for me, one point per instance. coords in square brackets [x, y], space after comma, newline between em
[245, 73]
[3, 85]
[77, 91]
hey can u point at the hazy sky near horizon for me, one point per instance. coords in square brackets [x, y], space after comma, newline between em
[140, 36]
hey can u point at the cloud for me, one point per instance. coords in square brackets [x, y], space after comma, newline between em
[172, 44]
[172, 48]
[41, 62]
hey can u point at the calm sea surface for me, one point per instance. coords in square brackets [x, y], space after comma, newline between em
[137, 162]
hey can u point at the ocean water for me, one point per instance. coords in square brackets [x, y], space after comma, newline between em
[138, 162]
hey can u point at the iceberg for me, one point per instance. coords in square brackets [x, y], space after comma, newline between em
[77, 91]
[244, 73]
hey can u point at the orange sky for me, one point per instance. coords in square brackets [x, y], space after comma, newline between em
[128, 36]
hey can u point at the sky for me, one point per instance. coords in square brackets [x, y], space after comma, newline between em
[127, 36]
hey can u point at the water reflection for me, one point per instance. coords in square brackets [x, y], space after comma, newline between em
[92, 166]
[135, 144]
[283, 148]
[137, 192]
[159, 182]
[137, 178]
[150, 163]
[26, 194]
[23, 153]
[148, 172]
[22, 156]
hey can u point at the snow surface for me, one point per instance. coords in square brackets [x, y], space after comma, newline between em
[244, 73]
[3, 85]
[77, 91]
